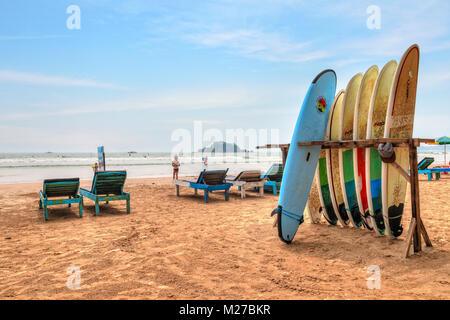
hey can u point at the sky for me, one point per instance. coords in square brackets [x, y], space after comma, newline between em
[137, 72]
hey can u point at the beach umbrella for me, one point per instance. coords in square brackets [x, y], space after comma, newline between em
[444, 140]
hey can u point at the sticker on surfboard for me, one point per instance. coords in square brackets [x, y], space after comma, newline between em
[321, 104]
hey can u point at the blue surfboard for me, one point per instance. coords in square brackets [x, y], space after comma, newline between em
[301, 162]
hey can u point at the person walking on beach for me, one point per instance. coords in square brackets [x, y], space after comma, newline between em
[176, 166]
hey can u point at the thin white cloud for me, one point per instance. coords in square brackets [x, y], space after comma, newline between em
[258, 44]
[46, 80]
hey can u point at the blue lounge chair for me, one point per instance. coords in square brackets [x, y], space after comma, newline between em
[60, 188]
[107, 186]
[208, 181]
[437, 172]
[274, 176]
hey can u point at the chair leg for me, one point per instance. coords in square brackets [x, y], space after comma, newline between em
[242, 192]
[177, 190]
[128, 205]
[274, 189]
[227, 195]
[261, 191]
[45, 213]
[70, 203]
[205, 195]
[40, 204]
[430, 177]
[97, 208]
[81, 209]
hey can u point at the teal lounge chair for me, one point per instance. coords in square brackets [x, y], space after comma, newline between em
[273, 176]
[107, 186]
[60, 188]
[423, 168]
[208, 181]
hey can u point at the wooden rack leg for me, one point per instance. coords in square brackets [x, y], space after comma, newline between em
[415, 201]
[409, 237]
[425, 236]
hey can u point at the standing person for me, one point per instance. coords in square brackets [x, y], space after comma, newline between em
[175, 165]
[205, 162]
[95, 167]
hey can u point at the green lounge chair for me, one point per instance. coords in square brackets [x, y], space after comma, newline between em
[274, 176]
[60, 188]
[208, 181]
[423, 168]
[248, 179]
[107, 186]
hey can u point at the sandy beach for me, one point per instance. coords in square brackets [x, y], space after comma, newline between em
[182, 248]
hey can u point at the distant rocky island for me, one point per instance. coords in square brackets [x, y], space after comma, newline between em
[222, 147]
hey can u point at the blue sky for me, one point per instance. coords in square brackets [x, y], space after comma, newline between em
[138, 70]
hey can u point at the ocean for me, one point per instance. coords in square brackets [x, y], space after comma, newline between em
[33, 167]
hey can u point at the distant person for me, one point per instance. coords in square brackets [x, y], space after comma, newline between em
[95, 167]
[205, 162]
[176, 166]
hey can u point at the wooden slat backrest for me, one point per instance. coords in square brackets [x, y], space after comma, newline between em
[249, 176]
[61, 187]
[109, 182]
[275, 173]
[214, 177]
[425, 163]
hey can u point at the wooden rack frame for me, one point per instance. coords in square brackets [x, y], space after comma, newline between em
[416, 228]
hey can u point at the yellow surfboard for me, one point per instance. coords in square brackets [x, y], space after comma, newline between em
[359, 133]
[332, 160]
[375, 129]
[399, 124]
[346, 174]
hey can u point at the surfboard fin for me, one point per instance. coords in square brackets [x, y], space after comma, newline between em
[275, 211]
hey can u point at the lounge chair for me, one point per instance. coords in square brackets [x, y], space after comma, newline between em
[107, 186]
[273, 176]
[208, 181]
[60, 188]
[248, 179]
[423, 167]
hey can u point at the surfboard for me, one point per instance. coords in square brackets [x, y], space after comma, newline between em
[301, 162]
[346, 174]
[359, 133]
[332, 160]
[322, 176]
[399, 124]
[313, 205]
[375, 129]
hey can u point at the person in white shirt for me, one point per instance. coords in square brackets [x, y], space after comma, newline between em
[176, 166]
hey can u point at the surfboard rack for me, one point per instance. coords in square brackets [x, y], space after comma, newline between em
[416, 228]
